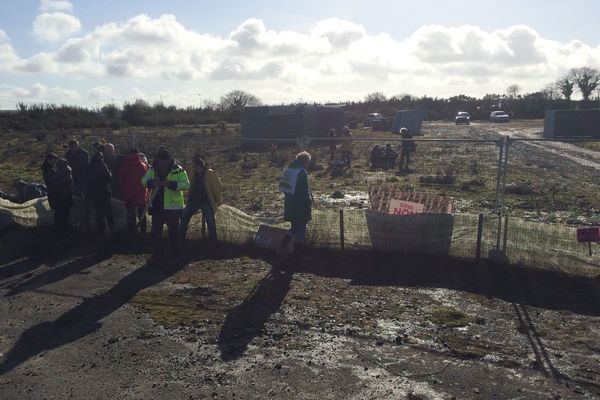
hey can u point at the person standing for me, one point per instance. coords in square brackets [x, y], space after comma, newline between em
[78, 160]
[206, 195]
[332, 144]
[98, 192]
[297, 206]
[169, 180]
[48, 171]
[113, 161]
[408, 147]
[62, 188]
[346, 146]
[135, 196]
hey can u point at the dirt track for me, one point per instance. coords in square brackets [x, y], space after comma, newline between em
[96, 321]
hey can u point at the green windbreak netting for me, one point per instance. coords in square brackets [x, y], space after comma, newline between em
[532, 243]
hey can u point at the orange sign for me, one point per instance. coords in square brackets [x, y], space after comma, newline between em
[402, 207]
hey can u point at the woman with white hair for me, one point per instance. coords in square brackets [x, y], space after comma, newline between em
[297, 204]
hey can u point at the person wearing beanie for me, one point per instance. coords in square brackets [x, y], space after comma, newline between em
[98, 192]
[205, 194]
[113, 161]
[78, 160]
[167, 180]
[134, 195]
[297, 204]
[62, 189]
[48, 171]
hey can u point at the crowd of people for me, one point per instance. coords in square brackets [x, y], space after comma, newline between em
[387, 157]
[157, 189]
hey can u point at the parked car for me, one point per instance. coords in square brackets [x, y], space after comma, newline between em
[499, 116]
[462, 117]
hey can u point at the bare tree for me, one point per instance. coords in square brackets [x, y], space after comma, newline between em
[565, 86]
[375, 97]
[236, 100]
[587, 79]
[551, 91]
[513, 90]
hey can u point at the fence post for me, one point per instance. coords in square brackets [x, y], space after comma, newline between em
[479, 235]
[342, 239]
[203, 227]
[133, 141]
[505, 233]
[501, 185]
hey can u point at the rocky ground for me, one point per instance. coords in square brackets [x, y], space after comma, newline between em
[94, 318]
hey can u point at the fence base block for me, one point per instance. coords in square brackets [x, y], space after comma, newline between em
[499, 257]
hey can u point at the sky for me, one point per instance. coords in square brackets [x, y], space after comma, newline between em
[187, 53]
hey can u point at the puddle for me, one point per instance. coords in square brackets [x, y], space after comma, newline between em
[351, 199]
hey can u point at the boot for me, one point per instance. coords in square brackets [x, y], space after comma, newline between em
[282, 251]
[298, 253]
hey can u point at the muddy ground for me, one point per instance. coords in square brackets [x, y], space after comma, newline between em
[89, 317]
[93, 317]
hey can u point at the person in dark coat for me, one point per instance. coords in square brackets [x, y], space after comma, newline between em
[78, 160]
[133, 193]
[113, 161]
[98, 192]
[376, 157]
[390, 156]
[62, 189]
[297, 206]
[48, 172]
[408, 147]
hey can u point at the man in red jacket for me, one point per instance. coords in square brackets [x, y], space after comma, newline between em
[130, 187]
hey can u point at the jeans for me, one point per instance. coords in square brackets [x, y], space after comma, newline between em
[209, 216]
[171, 218]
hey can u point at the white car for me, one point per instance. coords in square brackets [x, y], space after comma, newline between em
[499, 116]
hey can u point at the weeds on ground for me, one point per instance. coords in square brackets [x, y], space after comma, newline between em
[449, 317]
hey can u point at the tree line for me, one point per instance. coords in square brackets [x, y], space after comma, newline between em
[556, 95]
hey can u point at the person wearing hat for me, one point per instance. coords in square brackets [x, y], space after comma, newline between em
[98, 193]
[408, 147]
[62, 189]
[48, 173]
[132, 192]
[167, 180]
[78, 160]
[206, 195]
[113, 161]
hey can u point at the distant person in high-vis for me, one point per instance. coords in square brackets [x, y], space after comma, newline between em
[297, 204]
[167, 180]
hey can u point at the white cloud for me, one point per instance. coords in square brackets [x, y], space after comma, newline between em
[56, 26]
[100, 92]
[340, 33]
[56, 5]
[335, 59]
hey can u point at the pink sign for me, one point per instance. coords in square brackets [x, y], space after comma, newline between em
[402, 207]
